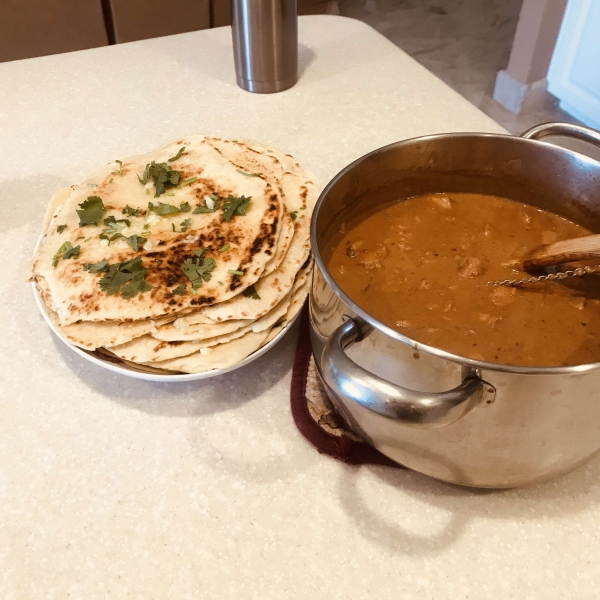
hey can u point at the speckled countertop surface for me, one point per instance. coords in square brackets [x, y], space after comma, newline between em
[118, 488]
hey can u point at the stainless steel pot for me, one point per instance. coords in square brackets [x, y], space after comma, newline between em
[453, 418]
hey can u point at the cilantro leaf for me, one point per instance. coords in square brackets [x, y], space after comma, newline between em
[110, 220]
[112, 231]
[72, 252]
[211, 204]
[234, 272]
[224, 248]
[162, 209]
[132, 212]
[198, 269]
[128, 277]
[66, 247]
[180, 290]
[185, 225]
[100, 267]
[61, 228]
[250, 292]
[135, 241]
[178, 155]
[91, 211]
[250, 174]
[235, 206]
[188, 181]
[294, 215]
[168, 209]
[162, 175]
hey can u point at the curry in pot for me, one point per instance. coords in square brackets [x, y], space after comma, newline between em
[421, 267]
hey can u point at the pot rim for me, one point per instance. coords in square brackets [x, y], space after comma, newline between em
[418, 346]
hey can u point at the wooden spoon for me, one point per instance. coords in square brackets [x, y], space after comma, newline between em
[559, 253]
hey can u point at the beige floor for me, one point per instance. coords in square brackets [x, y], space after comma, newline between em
[464, 42]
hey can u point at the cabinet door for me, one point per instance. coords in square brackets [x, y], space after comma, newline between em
[141, 19]
[574, 75]
[31, 28]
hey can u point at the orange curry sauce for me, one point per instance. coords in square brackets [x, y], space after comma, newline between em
[421, 267]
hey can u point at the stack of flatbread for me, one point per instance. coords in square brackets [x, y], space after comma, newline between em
[186, 259]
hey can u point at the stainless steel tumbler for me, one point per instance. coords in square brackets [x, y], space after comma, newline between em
[265, 44]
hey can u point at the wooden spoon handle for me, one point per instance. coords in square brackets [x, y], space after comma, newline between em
[563, 252]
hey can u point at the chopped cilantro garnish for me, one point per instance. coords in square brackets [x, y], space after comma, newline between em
[220, 283]
[147, 192]
[189, 181]
[135, 241]
[199, 252]
[110, 220]
[128, 278]
[113, 227]
[250, 292]
[232, 272]
[224, 248]
[294, 215]
[65, 251]
[92, 185]
[279, 323]
[269, 150]
[61, 228]
[120, 171]
[100, 267]
[169, 194]
[110, 180]
[250, 174]
[87, 239]
[147, 226]
[198, 269]
[112, 232]
[132, 212]
[91, 211]
[80, 237]
[179, 290]
[72, 252]
[167, 209]
[178, 155]
[162, 175]
[235, 206]
[208, 207]
[185, 225]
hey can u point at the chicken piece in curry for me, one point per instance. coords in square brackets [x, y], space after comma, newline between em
[421, 266]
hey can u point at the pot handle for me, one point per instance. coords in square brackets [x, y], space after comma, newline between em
[584, 134]
[351, 382]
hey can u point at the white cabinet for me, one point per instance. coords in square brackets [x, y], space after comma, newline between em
[574, 75]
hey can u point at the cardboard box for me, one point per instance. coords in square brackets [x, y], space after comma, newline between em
[38, 27]
[141, 19]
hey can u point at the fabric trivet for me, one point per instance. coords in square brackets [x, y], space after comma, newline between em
[315, 416]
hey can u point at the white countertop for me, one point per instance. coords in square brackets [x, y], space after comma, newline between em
[118, 488]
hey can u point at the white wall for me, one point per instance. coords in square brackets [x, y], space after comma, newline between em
[574, 75]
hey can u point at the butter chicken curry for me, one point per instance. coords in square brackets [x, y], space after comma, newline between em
[421, 267]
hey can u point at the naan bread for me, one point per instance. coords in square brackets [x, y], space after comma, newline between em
[219, 357]
[265, 249]
[298, 300]
[252, 238]
[148, 349]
